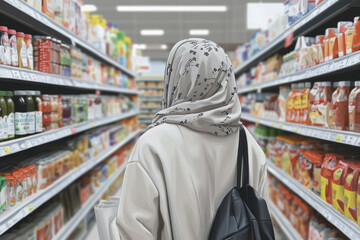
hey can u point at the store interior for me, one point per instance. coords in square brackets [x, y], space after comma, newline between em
[81, 80]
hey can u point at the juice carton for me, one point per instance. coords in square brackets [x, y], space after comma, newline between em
[331, 44]
[351, 185]
[338, 185]
[342, 28]
[327, 169]
[352, 37]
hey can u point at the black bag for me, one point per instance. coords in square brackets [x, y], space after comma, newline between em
[243, 214]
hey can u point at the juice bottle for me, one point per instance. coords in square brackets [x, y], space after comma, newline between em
[3, 117]
[21, 49]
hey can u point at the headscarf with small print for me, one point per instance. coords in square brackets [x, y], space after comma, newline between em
[199, 89]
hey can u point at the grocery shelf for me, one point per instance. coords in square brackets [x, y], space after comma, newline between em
[309, 22]
[152, 88]
[9, 218]
[38, 21]
[23, 75]
[150, 98]
[343, 224]
[344, 137]
[149, 79]
[69, 227]
[25, 143]
[284, 223]
[339, 65]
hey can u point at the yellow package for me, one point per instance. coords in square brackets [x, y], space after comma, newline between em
[350, 194]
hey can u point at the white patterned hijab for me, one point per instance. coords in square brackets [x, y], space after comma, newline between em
[199, 89]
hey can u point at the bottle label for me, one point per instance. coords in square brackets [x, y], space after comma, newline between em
[5, 127]
[20, 123]
[29, 53]
[11, 125]
[13, 51]
[38, 119]
[30, 122]
[1, 128]
[23, 54]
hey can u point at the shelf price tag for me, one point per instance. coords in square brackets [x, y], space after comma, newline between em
[339, 138]
[273, 125]
[92, 124]
[7, 150]
[257, 122]
[30, 207]
[281, 126]
[289, 38]
[296, 130]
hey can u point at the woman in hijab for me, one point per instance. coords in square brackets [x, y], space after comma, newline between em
[185, 164]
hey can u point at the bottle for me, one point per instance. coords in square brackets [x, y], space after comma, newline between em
[13, 48]
[11, 115]
[30, 112]
[3, 117]
[22, 51]
[20, 113]
[4, 46]
[29, 51]
[38, 112]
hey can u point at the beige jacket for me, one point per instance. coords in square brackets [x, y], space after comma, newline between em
[175, 181]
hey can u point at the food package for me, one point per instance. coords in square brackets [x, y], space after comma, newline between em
[342, 28]
[352, 37]
[331, 44]
[354, 108]
[351, 185]
[327, 169]
[339, 107]
[338, 185]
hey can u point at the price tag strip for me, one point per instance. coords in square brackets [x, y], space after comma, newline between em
[345, 225]
[21, 210]
[343, 137]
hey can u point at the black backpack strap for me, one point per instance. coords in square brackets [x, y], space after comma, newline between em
[243, 159]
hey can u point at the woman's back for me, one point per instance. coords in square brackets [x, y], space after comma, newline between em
[181, 176]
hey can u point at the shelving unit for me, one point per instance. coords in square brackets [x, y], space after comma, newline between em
[344, 137]
[10, 218]
[311, 21]
[284, 223]
[68, 228]
[25, 143]
[345, 225]
[39, 21]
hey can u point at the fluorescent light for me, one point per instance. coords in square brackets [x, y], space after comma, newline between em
[163, 46]
[199, 32]
[152, 32]
[258, 14]
[140, 46]
[169, 8]
[143, 46]
[88, 8]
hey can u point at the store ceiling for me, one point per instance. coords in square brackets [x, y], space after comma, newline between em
[226, 28]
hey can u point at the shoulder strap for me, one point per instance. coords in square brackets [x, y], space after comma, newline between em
[243, 161]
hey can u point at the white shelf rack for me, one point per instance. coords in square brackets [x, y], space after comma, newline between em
[39, 21]
[28, 76]
[144, 98]
[10, 218]
[343, 137]
[69, 227]
[284, 223]
[149, 79]
[342, 64]
[343, 224]
[312, 20]
[25, 143]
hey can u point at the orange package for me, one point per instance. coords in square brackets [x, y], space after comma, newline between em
[352, 37]
[48, 8]
[305, 220]
[297, 102]
[354, 108]
[318, 50]
[339, 107]
[358, 202]
[327, 169]
[290, 114]
[342, 28]
[305, 104]
[351, 185]
[331, 44]
[311, 170]
[338, 185]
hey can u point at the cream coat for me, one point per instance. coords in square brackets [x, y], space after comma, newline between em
[176, 179]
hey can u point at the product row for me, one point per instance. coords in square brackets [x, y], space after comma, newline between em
[49, 55]
[308, 52]
[151, 93]
[101, 34]
[322, 105]
[48, 221]
[150, 105]
[22, 176]
[309, 224]
[149, 84]
[294, 10]
[333, 175]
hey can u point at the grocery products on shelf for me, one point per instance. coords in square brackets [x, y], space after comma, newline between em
[53, 216]
[24, 112]
[95, 29]
[325, 104]
[308, 52]
[330, 172]
[309, 224]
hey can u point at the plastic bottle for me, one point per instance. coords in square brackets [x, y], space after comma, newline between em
[11, 115]
[13, 48]
[3, 117]
[21, 49]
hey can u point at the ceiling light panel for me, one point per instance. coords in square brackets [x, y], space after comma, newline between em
[199, 32]
[152, 32]
[152, 8]
[88, 8]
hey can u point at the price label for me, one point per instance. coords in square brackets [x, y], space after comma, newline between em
[342, 64]
[353, 60]
[351, 140]
[273, 125]
[30, 207]
[16, 74]
[7, 150]
[73, 130]
[33, 77]
[15, 147]
[25, 75]
[339, 138]
[296, 129]
[257, 122]
[289, 38]
[41, 78]
[92, 124]
[2, 152]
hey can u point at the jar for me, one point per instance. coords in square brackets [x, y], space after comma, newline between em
[4, 46]
[11, 191]
[46, 104]
[38, 112]
[30, 111]
[19, 186]
[66, 111]
[11, 115]
[33, 176]
[54, 100]
[20, 113]
[46, 121]
[29, 51]
[22, 51]
[3, 117]
[60, 112]
[42, 174]
[13, 48]
[27, 182]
